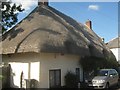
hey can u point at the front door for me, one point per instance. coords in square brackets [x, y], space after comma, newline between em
[55, 78]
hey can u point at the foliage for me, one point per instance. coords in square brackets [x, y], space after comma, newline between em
[118, 70]
[6, 76]
[1, 77]
[9, 15]
[96, 63]
[71, 80]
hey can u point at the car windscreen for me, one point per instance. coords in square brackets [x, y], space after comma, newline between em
[102, 73]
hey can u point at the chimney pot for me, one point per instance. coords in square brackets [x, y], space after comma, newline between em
[89, 24]
[43, 2]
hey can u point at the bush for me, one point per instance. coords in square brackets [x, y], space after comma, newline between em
[71, 80]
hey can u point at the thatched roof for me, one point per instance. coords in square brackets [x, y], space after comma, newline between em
[115, 43]
[47, 30]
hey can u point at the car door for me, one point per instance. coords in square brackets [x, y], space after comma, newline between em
[115, 76]
[111, 78]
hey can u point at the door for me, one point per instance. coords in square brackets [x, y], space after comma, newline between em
[55, 78]
[115, 77]
[78, 74]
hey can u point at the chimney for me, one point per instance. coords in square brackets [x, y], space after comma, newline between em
[89, 24]
[43, 2]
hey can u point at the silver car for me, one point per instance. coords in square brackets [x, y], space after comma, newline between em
[105, 79]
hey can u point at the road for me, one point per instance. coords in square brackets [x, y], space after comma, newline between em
[115, 88]
[118, 87]
[112, 88]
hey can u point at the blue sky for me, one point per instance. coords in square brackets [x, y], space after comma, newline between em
[104, 19]
[104, 15]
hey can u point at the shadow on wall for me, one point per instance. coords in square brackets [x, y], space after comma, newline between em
[7, 80]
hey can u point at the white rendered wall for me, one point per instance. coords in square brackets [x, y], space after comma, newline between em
[116, 52]
[30, 63]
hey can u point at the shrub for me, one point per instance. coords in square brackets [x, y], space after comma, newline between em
[71, 80]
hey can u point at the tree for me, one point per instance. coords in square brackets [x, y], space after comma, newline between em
[94, 63]
[9, 15]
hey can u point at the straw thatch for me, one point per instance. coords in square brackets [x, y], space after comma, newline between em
[50, 31]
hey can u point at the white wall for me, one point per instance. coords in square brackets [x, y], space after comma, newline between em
[116, 52]
[46, 62]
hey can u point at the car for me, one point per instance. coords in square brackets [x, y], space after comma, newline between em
[105, 79]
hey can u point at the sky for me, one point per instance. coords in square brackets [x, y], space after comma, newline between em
[104, 15]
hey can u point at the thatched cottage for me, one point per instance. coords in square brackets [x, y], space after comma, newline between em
[114, 46]
[47, 44]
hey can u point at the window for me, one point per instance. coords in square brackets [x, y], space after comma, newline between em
[114, 72]
[103, 73]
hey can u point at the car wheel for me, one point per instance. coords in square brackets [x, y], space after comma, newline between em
[107, 86]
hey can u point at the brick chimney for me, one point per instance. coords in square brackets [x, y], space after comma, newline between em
[89, 24]
[43, 2]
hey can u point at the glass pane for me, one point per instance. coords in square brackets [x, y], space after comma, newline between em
[57, 78]
[17, 68]
[51, 78]
[35, 67]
